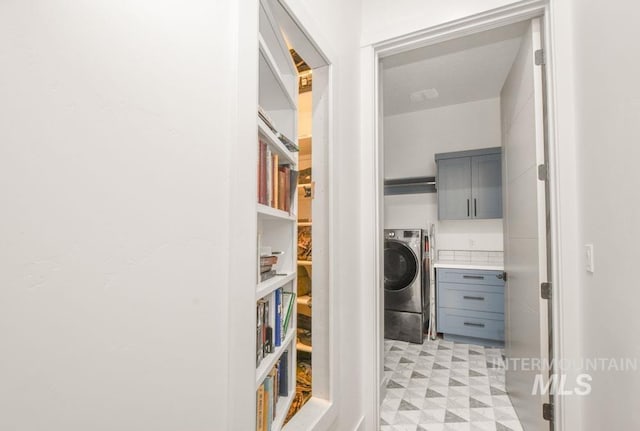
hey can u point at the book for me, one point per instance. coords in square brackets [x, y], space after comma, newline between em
[283, 375]
[268, 401]
[260, 409]
[277, 337]
[262, 172]
[291, 146]
[259, 334]
[268, 177]
[288, 301]
[265, 268]
[268, 260]
[268, 343]
[264, 276]
[275, 198]
[267, 331]
[262, 114]
[274, 390]
[281, 189]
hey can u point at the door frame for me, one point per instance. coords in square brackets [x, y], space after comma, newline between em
[372, 179]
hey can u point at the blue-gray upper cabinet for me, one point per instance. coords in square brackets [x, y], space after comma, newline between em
[469, 184]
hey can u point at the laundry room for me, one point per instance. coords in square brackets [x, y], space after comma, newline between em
[462, 139]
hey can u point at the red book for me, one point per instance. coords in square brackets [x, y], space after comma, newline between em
[287, 189]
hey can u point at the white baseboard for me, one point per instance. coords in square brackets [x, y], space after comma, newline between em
[383, 389]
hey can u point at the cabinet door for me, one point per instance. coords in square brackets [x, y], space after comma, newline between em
[486, 186]
[454, 188]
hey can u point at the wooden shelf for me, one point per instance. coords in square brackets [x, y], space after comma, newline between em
[274, 213]
[303, 347]
[275, 143]
[304, 223]
[270, 360]
[304, 263]
[304, 300]
[275, 282]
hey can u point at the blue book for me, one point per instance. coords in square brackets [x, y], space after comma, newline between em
[277, 339]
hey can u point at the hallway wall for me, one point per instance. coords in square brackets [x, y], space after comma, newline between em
[114, 155]
[608, 132]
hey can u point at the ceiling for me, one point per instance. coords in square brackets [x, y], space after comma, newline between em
[462, 70]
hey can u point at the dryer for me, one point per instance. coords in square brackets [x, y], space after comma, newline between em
[405, 281]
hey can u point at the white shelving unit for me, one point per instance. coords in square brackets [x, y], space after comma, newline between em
[277, 229]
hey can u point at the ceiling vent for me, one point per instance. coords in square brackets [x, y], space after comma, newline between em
[424, 95]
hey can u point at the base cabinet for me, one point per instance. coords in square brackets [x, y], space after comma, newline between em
[470, 305]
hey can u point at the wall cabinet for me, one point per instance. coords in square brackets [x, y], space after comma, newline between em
[469, 184]
[470, 304]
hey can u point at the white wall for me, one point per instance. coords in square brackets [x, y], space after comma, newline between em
[114, 146]
[410, 143]
[608, 132]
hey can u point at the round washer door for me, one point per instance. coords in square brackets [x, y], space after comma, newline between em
[400, 265]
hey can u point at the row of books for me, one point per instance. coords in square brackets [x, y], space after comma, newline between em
[275, 385]
[267, 336]
[267, 267]
[276, 182]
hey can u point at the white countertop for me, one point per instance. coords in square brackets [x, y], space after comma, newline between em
[468, 264]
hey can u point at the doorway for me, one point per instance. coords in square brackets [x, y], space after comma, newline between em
[517, 213]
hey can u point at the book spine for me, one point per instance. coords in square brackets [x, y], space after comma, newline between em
[287, 317]
[277, 324]
[268, 177]
[260, 409]
[281, 188]
[262, 170]
[283, 371]
[275, 181]
[287, 193]
[268, 381]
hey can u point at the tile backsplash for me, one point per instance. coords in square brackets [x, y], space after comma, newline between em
[476, 256]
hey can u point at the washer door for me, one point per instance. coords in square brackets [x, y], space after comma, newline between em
[400, 265]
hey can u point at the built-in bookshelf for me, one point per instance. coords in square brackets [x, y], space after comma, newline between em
[276, 212]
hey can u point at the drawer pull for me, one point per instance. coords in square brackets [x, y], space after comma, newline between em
[476, 325]
[477, 298]
[474, 277]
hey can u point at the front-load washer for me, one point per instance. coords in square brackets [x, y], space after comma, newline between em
[404, 299]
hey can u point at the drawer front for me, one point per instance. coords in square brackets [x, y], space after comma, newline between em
[471, 323]
[451, 296]
[470, 276]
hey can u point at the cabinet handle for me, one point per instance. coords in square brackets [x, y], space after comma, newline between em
[477, 298]
[467, 207]
[475, 207]
[474, 277]
[477, 325]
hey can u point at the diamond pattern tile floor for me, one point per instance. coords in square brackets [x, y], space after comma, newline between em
[441, 385]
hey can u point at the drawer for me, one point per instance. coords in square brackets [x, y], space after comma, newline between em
[471, 323]
[451, 296]
[470, 276]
